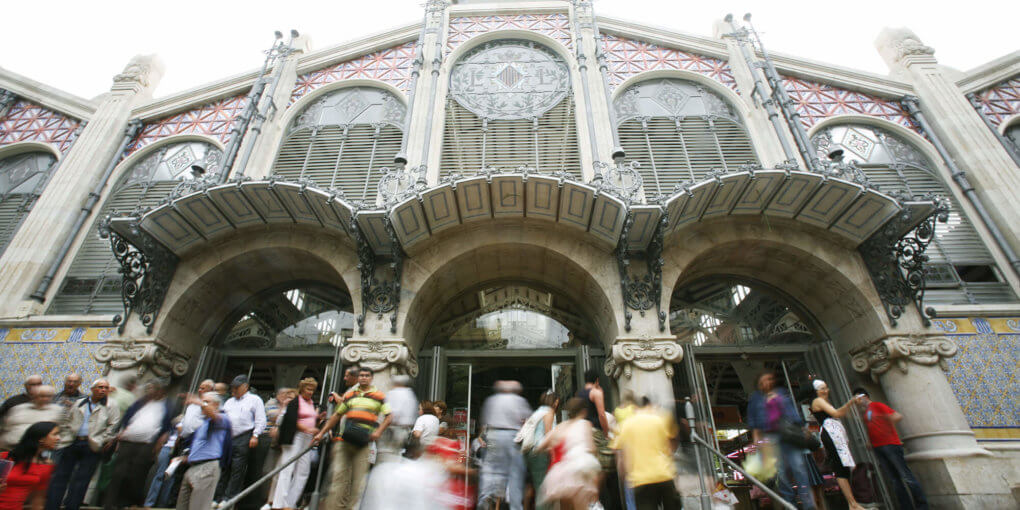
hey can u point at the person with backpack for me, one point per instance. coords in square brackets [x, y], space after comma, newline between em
[537, 426]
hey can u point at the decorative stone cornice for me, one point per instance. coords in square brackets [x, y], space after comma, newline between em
[379, 355]
[142, 356]
[882, 354]
[645, 354]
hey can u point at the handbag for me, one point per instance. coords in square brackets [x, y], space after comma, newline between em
[356, 433]
[797, 436]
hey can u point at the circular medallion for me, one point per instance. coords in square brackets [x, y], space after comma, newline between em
[509, 79]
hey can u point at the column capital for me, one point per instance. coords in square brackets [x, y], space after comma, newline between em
[647, 354]
[879, 356]
[901, 47]
[141, 73]
[381, 354]
[142, 356]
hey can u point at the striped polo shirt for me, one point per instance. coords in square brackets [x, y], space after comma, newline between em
[364, 407]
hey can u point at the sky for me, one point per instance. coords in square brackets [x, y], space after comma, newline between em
[78, 46]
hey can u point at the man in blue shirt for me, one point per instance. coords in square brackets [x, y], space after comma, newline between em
[209, 454]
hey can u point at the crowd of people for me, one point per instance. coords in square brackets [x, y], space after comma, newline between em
[387, 450]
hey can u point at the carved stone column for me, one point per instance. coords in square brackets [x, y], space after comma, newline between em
[145, 359]
[644, 366]
[386, 357]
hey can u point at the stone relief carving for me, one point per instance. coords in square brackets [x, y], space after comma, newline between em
[645, 354]
[882, 355]
[137, 70]
[142, 356]
[379, 355]
[906, 43]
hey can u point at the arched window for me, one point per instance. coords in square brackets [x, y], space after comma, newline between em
[679, 132]
[961, 269]
[92, 284]
[22, 178]
[510, 105]
[342, 140]
[1012, 134]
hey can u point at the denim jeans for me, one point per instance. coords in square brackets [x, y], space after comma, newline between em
[503, 470]
[72, 475]
[890, 456]
[159, 489]
[791, 458]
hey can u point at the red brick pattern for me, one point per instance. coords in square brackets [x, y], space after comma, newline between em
[818, 101]
[392, 65]
[556, 26]
[29, 122]
[1001, 101]
[213, 119]
[627, 57]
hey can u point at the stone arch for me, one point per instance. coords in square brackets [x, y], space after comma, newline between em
[140, 155]
[510, 250]
[821, 272]
[682, 74]
[495, 35]
[911, 137]
[308, 99]
[30, 146]
[1009, 122]
[211, 282]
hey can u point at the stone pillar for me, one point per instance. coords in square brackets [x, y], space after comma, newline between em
[386, 357]
[37, 242]
[588, 51]
[763, 136]
[269, 136]
[965, 135]
[954, 470]
[644, 366]
[425, 132]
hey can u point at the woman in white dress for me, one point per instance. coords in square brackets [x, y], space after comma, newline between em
[572, 479]
[835, 439]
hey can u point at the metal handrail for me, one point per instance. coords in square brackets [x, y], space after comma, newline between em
[230, 503]
[705, 500]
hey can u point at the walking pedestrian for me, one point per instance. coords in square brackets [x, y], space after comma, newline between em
[538, 425]
[223, 390]
[646, 442]
[769, 410]
[158, 493]
[193, 417]
[31, 383]
[31, 472]
[70, 394]
[835, 439]
[22, 416]
[503, 469]
[144, 428]
[247, 421]
[295, 434]
[404, 409]
[88, 432]
[881, 420]
[572, 479]
[426, 428]
[209, 454]
[361, 409]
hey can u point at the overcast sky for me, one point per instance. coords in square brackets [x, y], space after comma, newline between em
[78, 46]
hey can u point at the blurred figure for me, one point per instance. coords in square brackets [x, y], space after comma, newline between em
[31, 382]
[503, 470]
[274, 417]
[70, 394]
[835, 439]
[444, 419]
[361, 409]
[222, 389]
[247, 421]
[572, 479]
[209, 454]
[881, 420]
[87, 433]
[22, 416]
[645, 441]
[297, 428]
[767, 411]
[404, 409]
[144, 428]
[539, 425]
[412, 485]
[193, 417]
[31, 471]
[123, 392]
[426, 428]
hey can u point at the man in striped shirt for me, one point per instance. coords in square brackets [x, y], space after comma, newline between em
[362, 407]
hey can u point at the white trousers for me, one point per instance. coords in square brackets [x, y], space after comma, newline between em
[290, 483]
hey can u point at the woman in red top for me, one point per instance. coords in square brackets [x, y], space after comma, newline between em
[31, 473]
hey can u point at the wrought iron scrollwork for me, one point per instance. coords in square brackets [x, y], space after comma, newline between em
[642, 292]
[897, 263]
[146, 268]
[378, 295]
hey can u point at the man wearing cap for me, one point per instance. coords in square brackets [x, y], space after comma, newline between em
[247, 416]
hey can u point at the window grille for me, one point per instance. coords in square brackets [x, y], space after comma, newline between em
[22, 179]
[343, 140]
[510, 106]
[961, 268]
[679, 132]
[93, 282]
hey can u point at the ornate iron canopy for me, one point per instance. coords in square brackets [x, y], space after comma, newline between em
[509, 79]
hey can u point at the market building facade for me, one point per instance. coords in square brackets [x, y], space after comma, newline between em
[528, 191]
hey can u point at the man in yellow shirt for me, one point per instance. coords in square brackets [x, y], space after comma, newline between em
[645, 442]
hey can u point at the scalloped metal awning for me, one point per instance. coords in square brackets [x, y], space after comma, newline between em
[842, 207]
